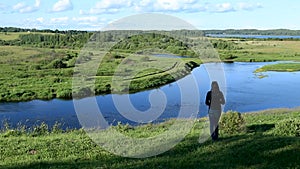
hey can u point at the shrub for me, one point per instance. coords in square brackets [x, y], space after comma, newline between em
[57, 64]
[71, 62]
[41, 129]
[64, 93]
[57, 128]
[232, 123]
[123, 127]
[288, 127]
[8, 131]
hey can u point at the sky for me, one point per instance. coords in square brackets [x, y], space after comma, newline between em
[202, 14]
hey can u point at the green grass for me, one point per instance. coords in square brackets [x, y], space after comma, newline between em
[11, 35]
[40, 69]
[280, 67]
[260, 50]
[25, 74]
[15, 35]
[258, 147]
[31, 73]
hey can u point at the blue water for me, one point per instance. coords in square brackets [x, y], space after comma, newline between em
[244, 90]
[168, 56]
[254, 36]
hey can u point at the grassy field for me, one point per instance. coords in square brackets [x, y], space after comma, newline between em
[11, 35]
[32, 73]
[29, 72]
[281, 67]
[260, 50]
[260, 146]
[15, 35]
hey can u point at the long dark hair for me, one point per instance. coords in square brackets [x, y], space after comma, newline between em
[215, 86]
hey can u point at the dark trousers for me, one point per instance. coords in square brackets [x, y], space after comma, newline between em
[214, 116]
[215, 134]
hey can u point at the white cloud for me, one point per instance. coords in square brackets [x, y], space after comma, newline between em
[19, 5]
[224, 7]
[189, 1]
[108, 6]
[40, 19]
[23, 8]
[144, 3]
[65, 23]
[143, 6]
[186, 6]
[248, 6]
[86, 19]
[229, 7]
[168, 6]
[59, 20]
[37, 3]
[191, 6]
[88, 22]
[62, 5]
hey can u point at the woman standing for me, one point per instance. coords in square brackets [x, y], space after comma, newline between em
[214, 100]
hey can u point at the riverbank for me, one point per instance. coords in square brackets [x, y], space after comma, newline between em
[260, 146]
[280, 67]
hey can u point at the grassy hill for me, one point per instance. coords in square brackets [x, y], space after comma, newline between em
[264, 144]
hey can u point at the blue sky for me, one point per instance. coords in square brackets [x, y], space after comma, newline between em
[203, 14]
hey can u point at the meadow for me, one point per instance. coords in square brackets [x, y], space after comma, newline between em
[44, 71]
[257, 50]
[280, 67]
[265, 142]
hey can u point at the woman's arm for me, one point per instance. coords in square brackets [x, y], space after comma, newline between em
[222, 101]
[208, 98]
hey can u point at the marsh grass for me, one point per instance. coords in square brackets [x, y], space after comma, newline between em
[280, 67]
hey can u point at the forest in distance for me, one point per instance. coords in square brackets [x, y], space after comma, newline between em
[203, 32]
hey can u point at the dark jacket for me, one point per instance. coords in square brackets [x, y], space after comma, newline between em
[214, 100]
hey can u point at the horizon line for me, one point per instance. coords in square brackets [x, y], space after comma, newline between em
[89, 30]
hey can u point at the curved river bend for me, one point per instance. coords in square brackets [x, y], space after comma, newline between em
[245, 92]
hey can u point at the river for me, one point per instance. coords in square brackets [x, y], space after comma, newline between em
[245, 92]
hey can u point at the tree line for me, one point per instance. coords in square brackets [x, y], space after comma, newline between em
[189, 33]
[76, 39]
[254, 32]
[14, 29]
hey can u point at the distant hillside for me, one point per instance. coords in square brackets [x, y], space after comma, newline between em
[191, 33]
